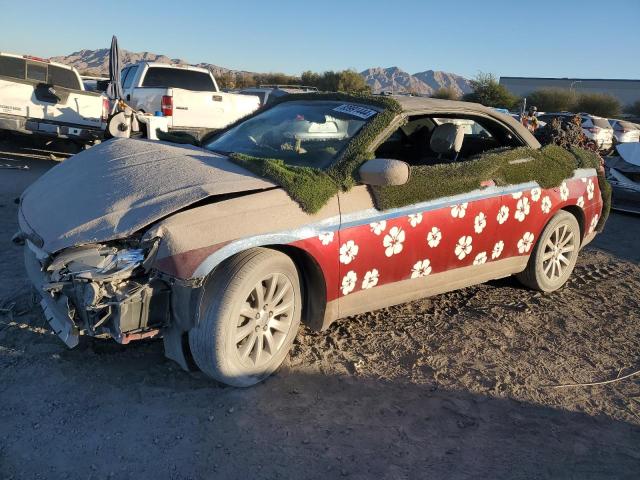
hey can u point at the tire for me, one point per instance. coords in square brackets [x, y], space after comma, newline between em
[560, 239]
[234, 316]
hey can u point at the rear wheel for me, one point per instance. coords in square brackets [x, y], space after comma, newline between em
[554, 255]
[251, 313]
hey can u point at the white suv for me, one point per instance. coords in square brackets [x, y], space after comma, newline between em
[625, 132]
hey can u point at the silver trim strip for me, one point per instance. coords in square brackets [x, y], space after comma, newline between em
[333, 224]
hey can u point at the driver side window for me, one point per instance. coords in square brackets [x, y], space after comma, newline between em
[427, 140]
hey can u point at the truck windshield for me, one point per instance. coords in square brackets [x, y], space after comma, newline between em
[300, 133]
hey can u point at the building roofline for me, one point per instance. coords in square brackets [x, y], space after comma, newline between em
[573, 79]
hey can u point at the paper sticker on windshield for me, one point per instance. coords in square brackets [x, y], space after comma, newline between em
[355, 110]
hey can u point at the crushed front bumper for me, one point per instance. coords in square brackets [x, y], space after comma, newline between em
[56, 311]
[142, 314]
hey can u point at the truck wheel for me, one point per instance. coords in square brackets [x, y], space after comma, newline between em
[250, 316]
[554, 255]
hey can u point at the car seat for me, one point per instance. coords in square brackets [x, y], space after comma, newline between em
[446, 140]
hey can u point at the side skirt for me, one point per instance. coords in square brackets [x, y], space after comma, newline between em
[416, 288]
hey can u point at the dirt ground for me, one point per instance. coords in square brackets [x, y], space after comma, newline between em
[455, 386]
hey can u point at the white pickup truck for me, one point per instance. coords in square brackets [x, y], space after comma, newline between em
[188, 96]
[39, 97]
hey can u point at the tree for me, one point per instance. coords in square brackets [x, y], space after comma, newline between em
[331, 81]
[600, 104]
[446, 93]
[488, 91]
[553, 99]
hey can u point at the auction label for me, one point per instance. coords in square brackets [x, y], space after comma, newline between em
[355, 110]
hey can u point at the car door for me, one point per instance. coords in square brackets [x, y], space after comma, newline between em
[393, 256]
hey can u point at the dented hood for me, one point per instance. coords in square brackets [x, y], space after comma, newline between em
[121, 186]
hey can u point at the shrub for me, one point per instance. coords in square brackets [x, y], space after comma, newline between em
[488, 92]
[446, 93]
[600, 104]
[566, 133]
[553, 99]
[343, 81]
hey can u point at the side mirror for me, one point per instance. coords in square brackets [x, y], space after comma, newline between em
[384, 172]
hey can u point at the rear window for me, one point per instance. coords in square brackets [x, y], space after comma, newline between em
[63, 77]
[12, 67]
[39, 72]
[178, 78]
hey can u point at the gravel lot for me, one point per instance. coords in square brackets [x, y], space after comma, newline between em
[455, 386]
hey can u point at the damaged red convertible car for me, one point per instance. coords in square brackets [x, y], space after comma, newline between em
[318, 208]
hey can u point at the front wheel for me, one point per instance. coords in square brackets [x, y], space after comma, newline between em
[250, 316]
[554, 255]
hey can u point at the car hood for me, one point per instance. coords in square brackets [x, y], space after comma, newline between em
[121, 186]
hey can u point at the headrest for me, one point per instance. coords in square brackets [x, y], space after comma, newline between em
[446, 138]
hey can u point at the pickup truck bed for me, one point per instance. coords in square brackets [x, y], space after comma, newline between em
[43, 98]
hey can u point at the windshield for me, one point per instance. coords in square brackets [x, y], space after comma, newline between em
[310, 134]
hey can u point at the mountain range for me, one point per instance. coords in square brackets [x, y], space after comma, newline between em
[393, 79]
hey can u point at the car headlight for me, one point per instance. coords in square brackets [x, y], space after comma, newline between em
[100, 262]
[119, 264]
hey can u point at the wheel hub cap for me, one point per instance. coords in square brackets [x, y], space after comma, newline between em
[265, 320]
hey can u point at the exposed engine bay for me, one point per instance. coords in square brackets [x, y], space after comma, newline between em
[101, 290]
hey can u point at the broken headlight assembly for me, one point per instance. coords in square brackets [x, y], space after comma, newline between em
[110, 289]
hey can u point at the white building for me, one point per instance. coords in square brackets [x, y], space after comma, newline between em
[627, 91]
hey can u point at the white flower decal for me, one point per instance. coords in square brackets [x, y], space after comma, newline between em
[326, 237]
[516, 195]
[459, 210]
[546, 204]
[584, 180]
[480, 222]
[524, 244]
[590, 189]
[463, 247]
[378, 227]
[415, 219]
[497, 249]
[594, 223]
[535, 194]
[564, 191]
[522, 209]
[580, 201]
[434, 237]
[348, 252]
[480, 258]
[370, 279]
[349, 282]
[422, 268]
[503, 214]
[393, 241]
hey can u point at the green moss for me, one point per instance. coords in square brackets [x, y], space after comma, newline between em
[589, 159]
[548, 167]
[310, 187]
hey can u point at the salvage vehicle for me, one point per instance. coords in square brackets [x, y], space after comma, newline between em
[623, 173]
[624, 132]
[319, 207]
[188, 96]
[39, 97]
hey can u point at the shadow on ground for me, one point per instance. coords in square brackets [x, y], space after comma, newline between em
[98, 411]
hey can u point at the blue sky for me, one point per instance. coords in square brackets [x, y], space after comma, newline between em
[561, 38]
